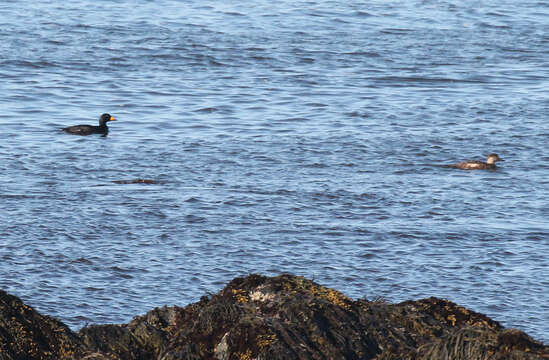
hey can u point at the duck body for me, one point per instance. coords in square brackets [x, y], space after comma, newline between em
[91, 129]
[479, 165]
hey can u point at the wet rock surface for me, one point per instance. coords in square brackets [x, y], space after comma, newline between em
[283, 317]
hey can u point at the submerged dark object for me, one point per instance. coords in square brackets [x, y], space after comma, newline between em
[91, 129]
[137, 181]
[479, 165]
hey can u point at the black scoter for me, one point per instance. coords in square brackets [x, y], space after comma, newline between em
[91, 129]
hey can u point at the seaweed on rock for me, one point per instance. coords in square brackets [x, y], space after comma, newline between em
[283, 317]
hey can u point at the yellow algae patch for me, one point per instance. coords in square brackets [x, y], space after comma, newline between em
[265, 340]
[240, 295]
[304, 285]
[334, 296]
[247, 355]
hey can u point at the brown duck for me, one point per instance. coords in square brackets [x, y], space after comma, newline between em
[479, 165]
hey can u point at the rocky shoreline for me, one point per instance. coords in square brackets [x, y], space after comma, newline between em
[283, 317]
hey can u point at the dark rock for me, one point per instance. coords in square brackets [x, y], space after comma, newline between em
[143, 338]
[25, 334]
[283, 317]
[477, 343]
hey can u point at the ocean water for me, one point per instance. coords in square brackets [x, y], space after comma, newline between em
[306, 137]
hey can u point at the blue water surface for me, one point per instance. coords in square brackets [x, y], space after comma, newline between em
[292, 136]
